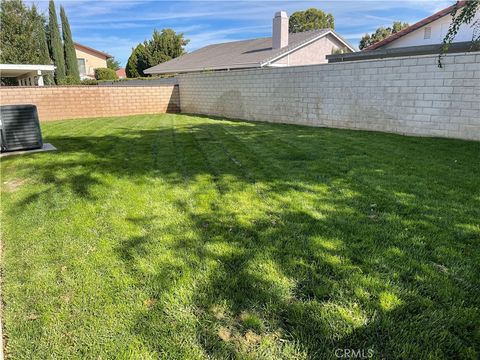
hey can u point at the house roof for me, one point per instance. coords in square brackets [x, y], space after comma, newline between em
[121, 72]
[98, 52]
[239, 54]
[415, 26]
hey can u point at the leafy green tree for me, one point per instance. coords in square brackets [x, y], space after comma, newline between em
[163, 46]
[365, 41]
[71, 63]
[398, 26]
[55, 43]
[15, 32]
[464, 16]
[113, 64]
[22, 29]
[381, 33]
[22, 36]
[310, 19]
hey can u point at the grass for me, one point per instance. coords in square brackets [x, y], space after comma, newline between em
[180, 237]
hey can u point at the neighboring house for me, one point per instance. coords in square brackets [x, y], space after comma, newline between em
[429, 31]
[282, 49]
[90, 59]
[121, 73]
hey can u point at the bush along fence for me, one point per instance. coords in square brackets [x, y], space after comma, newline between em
[68, 102]
[409, 95]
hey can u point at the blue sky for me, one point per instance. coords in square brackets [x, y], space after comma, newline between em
[115, 26]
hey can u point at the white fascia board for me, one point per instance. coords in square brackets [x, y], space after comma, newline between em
[218, 67]
[27, 67]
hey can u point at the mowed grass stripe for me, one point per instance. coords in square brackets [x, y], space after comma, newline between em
[172, 236]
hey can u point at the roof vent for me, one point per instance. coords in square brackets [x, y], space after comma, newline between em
[19, 127]
[280, 30]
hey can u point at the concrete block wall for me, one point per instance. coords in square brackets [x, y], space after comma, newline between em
[409, 95]
[69, 102]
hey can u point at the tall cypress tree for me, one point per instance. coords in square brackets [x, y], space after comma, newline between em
[40, 38]
[71, 62]
[56, 48]
[137, 62]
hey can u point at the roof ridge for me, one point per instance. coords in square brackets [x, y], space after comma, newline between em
[235, 41]
[266, 37]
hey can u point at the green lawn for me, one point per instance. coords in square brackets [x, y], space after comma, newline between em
[185, 237]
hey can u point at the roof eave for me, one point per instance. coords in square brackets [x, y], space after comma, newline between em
[27, 67]
[108, 56]
[151, 70]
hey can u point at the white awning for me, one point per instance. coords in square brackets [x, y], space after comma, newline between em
[19, 70]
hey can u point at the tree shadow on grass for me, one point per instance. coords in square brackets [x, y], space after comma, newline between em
[350, 290]
[353, 243]
[349, 297]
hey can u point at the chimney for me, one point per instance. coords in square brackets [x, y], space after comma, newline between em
[280, 30]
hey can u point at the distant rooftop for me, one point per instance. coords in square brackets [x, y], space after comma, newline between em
[238, 54]
[415, 26]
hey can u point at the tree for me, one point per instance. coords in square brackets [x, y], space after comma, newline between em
[398, 26]
[15, 33]
[71, 62]
[381, 33]
[310, 19]
[466, 16]
[336, 51]
[22, 36]
[113, 64]
[40, 37]
[365, 41]
[137, 62]
[163, 46]
[21, 31]
[55, 42]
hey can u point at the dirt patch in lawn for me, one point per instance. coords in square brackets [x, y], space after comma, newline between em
[14, 185]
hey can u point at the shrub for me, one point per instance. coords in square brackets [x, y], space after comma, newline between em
[68, 80]
[337, 51]
[105, 74]
[89, 82]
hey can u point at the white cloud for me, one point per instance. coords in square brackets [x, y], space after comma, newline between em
[116, 26]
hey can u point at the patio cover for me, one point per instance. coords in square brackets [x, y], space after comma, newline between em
[26, 74]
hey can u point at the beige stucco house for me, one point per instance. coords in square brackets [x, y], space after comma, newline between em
[282, 49]
[90, 59]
